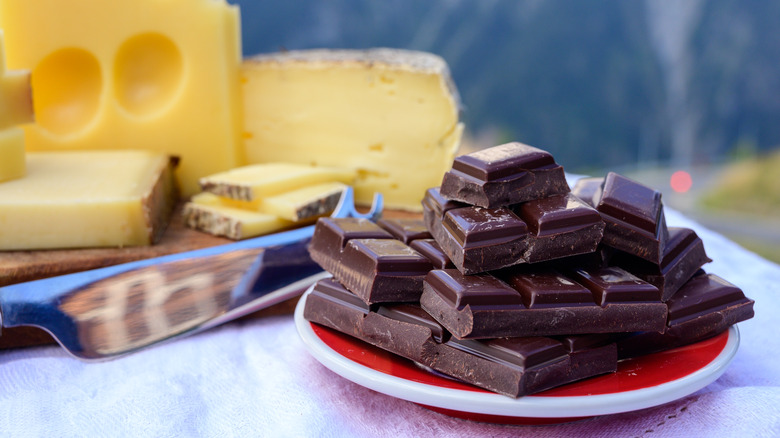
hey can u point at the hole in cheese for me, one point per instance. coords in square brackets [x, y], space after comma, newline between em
[149, 71]
[67, 85]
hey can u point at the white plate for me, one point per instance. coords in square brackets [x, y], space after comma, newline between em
[639, 383]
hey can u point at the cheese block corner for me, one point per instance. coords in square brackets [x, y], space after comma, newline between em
[127, 74]
[85, 199]
[390, 114]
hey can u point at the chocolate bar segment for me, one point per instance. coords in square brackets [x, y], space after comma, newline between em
[330, 301]
[634, 217]
[704, 307]
[560, 226]
[504, 175]
[546, 303]
[332, 234]
[375, 269]
[613, 284]
[683, 255]
[480, 239]
[588, 189]
[431, 249]
[405, 230]
[509, 366]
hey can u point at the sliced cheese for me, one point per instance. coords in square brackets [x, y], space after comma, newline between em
[390, 114]
[296, 205]
[12, 159]
[232, 223]
[259, 181]
[305, 203]
[79, 199]
[15, 94]
[160, 75]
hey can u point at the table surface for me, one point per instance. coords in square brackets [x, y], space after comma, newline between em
[254, 377]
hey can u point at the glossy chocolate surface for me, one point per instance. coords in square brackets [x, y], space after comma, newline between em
[511, 161]
[702, 295]
[475, 226]
[522, 301]
[558, 215]
[378, 269]
[431, 249]
[614, 285]
[683, 255]
[479, 239]
[634, 217]
[704, 307]
[503, 175]
[588, 189]
[405, 230]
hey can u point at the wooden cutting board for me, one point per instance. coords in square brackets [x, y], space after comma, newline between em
[21, 266]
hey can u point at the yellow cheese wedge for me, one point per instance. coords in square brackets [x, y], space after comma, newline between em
[390, 114]
[15, 94]
[125, 74]
[232, 223]
[12, 159]
[259, 181]
[78, 199]
[296, 205]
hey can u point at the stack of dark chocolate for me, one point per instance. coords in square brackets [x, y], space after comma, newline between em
[516, 283]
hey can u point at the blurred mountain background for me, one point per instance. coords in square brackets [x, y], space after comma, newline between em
[641, 87]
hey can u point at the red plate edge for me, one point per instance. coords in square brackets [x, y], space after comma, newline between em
[632, 374]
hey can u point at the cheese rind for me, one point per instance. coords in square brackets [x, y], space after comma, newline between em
[12, 158]
[232, 223]
[87, 199]
[160, 75]
[392, 115]
[258, 181]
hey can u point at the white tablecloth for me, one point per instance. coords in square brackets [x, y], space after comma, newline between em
[256, 378]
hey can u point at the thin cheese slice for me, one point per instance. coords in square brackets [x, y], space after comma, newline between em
[259, 181]
[232, 223]
[392, 115]
[161, 75]
[296, 205]
[12, 159]
[80, 199]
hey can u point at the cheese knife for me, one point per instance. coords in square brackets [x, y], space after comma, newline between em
[112, 311]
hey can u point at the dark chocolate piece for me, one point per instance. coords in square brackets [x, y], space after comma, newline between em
[431, 249]
[560, 226]
[380, 269]
[588, 189]
[530, 302]
[405, 230]
[683, 255]
[634, 217]
[509, 366]
[704, 307]
[504, 175]
[342, 306]
[479, 239]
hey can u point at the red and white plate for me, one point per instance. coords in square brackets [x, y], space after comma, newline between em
[639, 383]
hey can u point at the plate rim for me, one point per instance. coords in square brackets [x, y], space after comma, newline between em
[500, 405]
